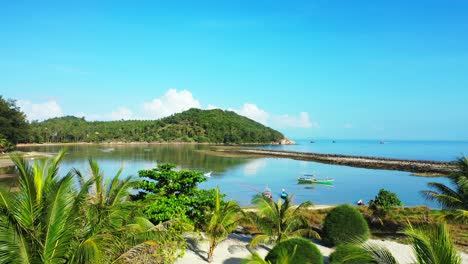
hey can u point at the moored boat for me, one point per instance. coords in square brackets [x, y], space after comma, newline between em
[311, 179]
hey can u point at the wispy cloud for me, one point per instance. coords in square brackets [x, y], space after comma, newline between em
[40, 111]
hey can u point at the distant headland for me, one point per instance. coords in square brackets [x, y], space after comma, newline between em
[194, 126]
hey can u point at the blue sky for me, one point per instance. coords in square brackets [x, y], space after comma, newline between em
[312, 69]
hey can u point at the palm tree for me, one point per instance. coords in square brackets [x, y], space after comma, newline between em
[279, 221]
[70, 219]
[37, 223]
[454, 199]
[221, 222]
[431, 244]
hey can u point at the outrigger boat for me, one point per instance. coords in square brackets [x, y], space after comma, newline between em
[310, 178]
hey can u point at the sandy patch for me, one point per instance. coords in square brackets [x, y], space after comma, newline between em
[235, 248]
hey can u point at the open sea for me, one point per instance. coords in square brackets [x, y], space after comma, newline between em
[242, 178]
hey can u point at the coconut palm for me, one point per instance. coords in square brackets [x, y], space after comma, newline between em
[455, 199]
[38, 222]
[431, 245]
[279, 221]
[221, 222]
[69, 219]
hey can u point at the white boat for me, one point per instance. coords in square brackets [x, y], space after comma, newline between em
[207, 174]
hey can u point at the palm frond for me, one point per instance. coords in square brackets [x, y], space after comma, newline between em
[432, 244]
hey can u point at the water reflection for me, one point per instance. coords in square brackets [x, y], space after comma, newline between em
[242, 178]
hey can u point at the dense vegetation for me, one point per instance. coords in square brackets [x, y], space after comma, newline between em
[76, 218]
[194, 125]
[169, 194]
[13, 125]
[300, 250]
[344, 224]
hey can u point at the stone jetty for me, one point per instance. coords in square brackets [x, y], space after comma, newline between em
[415, 166]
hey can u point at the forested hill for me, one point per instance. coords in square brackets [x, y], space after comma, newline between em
[194, 125]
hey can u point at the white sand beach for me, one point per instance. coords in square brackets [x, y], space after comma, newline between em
[235, 248]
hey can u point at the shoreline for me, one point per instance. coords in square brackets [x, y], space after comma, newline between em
[425, 168]
[21, 145]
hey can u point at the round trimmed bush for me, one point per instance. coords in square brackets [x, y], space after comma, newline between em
[344, 224]
[346, 250]
[306, 252]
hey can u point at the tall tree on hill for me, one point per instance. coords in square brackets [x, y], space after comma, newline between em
[13, 125]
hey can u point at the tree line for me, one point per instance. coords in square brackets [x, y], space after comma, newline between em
[194, 125]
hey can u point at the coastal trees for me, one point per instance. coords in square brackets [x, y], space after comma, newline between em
[13, 125]
[170, 194]
[221, 221]
[279, 221]
[72, 218]
[193, 125]
[456, 198]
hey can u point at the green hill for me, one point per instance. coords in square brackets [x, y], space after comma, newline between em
[194, 125]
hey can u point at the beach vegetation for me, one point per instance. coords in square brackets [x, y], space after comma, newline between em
[386, 200]
[167, 194]
[13, 125]
[295, 250]
[77, 218]
[344, 224]
[221, 221]
[279, 221]
[453, 199]
[430, 243]
[342, 254]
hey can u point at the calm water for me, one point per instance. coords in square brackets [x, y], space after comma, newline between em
[241, 178]
[421, 150]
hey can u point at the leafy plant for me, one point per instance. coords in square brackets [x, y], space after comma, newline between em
[279, 221]
[453, 199]
[5, 145]
[295, 250]
[220, 222]
[430, 243]
[387, 200]
[172, 194]
[13, 125]
[72, 218]
[343, 224]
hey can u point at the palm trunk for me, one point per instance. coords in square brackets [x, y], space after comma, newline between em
[211, 251]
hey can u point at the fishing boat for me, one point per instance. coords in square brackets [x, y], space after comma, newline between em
[307, 178]
[207, 174]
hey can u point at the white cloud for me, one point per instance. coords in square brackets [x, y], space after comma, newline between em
[301, 121]
[253, 112]
[119, 114]
[211, 107]
[171, 102]
[40, 111]
[256, 113]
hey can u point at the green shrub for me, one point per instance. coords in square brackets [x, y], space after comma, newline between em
[343, 251]
[295, 250]
[387, 200]
[344, 224]
[5, 145]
